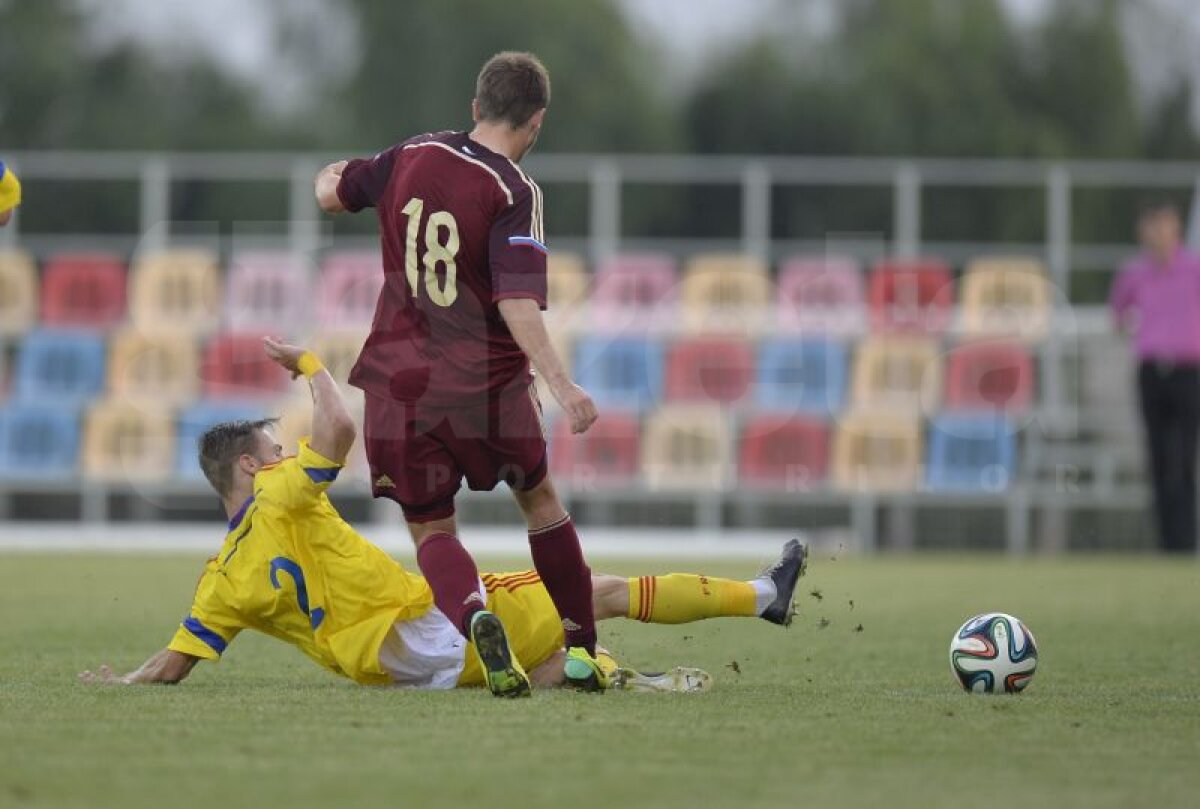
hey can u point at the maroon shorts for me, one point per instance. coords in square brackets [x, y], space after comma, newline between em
[419, 454]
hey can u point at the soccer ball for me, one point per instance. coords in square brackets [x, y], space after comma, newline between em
[993, 653]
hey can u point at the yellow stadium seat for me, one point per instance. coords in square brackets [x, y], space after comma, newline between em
[726, 293]
[338, 352]
[567, 287]
[176, 290]
[897, 373]
[18, 292]
[1006, 297]
[877, 452]
[127, 442]
[689, 448]
[158, 366]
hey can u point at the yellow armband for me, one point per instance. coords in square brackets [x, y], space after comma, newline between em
[309, 364]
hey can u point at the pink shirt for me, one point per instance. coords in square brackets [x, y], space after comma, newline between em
[1162, 305]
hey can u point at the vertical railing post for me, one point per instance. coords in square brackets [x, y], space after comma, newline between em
[304, 226]
[154, 214]
[756, 211]
[906, 224]
[604, 216]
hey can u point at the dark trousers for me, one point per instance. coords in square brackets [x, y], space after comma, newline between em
[1170, 396]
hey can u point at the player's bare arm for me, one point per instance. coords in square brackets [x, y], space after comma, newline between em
[524, 320]
[333, 430]
[326, 187]
[164, 668]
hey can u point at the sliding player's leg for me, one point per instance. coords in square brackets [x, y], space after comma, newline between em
[680, 598]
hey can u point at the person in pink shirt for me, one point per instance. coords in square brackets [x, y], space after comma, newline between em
[1156, 296]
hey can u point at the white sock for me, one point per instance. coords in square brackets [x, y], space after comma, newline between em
[764, 593]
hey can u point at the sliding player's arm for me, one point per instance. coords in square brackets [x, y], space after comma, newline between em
[333, 430]
[524, 319]
[167, 667]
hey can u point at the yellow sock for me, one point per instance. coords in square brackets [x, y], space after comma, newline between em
[681, 597]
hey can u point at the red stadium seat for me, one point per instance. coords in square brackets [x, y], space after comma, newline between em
[784, 450]
[821, 295]
[709, 369]
[608, 453]
[991, 376]
[83, 289]
[235, 367]
[911, 296]
[349, 289]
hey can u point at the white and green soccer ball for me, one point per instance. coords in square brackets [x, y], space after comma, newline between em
[993, 653]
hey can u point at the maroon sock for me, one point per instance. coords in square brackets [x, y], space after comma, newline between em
[559, 562]
[453, 577]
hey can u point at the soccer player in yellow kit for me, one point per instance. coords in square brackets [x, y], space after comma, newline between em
[292, 568]
[10, 193]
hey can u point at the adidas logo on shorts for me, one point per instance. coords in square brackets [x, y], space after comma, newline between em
[570, 625]
[384, 482]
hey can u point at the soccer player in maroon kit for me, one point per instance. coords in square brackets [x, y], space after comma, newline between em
[446, 368]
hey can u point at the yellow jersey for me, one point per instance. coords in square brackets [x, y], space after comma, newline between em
[293, 569]
[10, 189]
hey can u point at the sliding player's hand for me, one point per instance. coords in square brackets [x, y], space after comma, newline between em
[578, 406]
[288, 356]
[102, 676]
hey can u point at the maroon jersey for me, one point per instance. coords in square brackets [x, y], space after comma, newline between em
[461, 229]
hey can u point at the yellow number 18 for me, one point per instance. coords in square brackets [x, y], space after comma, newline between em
[436, 252]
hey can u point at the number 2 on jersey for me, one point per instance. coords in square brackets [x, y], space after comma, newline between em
[436, 252]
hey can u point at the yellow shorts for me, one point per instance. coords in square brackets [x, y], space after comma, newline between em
[534, 631]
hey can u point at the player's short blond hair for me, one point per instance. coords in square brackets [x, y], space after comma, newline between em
[511, 87]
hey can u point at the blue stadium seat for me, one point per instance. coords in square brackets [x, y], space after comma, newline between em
[971, 453]
[801, 376]
[199, 417]
[63, 367]
[623, 372]
[38, 441]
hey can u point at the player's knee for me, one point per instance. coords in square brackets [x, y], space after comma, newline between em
[610, 596]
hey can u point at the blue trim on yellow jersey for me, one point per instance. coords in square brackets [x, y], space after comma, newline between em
[2, 168]
[203, 633]
[237, 542]
[241, 512]
[318, 475]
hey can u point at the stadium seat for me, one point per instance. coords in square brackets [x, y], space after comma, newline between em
[268, 293]
[38, 440]
[18, 292]
[709, 369]
[897, 373]
[127, 442]
[801, 375]
[788, 451]
[634, 292]
[566, 291]
[338, 352]
[989, 376]
[725, 294]
[821, 295]
[625, 372]
[235, 366]
[175, 290]
[159, 366]
[687, 448]
[1006, 297]
[877, 452]
[607, 454]
[63, 367]
[193, 421]
[349, 289]
[970, 453]
[83, 289]
[911, 296]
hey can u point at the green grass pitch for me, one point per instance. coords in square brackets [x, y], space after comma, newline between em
[821, 715]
